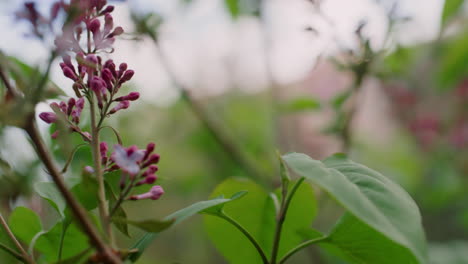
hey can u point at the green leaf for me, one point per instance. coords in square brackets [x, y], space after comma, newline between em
[178, 217]
[301, 104]
[451, 8]
[51, 194]
[24, 223]
[256, 213]
[74, 243]
[390, 215]
[356, 242]
[86, 192]
[152, 226]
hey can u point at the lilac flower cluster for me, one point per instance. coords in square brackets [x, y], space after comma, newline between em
[138, 167]
[71, 112]
[88, 30]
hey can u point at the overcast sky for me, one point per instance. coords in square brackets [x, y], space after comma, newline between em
[211, 53]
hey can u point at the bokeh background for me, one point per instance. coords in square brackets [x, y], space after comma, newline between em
[385, 81]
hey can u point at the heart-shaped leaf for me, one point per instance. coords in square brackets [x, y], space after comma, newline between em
[380, 211]
[24, 223]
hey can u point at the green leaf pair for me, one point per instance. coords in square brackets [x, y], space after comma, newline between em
[381, 219]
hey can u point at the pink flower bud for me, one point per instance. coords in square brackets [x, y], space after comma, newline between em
[149, 148]
[94, 25]
[123, 67]
[80, 103]
[63, 107]
[153, 159]
[154, 194]
[130, 97]
[48, 117]
[149, 179]
[71, 104]
[127, 76]
[109, 64]
[103, 149]
[69, 73]
[121, 105]
[117, 32]
[108, 9]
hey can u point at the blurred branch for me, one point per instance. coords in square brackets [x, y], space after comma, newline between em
[214, 127]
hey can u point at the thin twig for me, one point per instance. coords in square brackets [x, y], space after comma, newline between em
[25, 255]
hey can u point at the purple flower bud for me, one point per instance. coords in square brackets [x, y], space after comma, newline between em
[71, 104]
[154, 194]
[109, 64]
[130, 97]
[108, 78]
[69, 73]
[94, 25]
[123, 67]
[80, 103]
[127, 76]
[149, 179]
[121, 105]
[149, 149]
[108, 9]
[117, 32]
[103, 149]
[152, 169]
[63, 107]
[98, 85]
[153, 159]
[48, 117]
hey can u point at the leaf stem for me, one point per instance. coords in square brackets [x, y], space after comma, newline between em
[301, 246]
[285, 202]
[247, 234]
[24, 255]
[102, 202]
